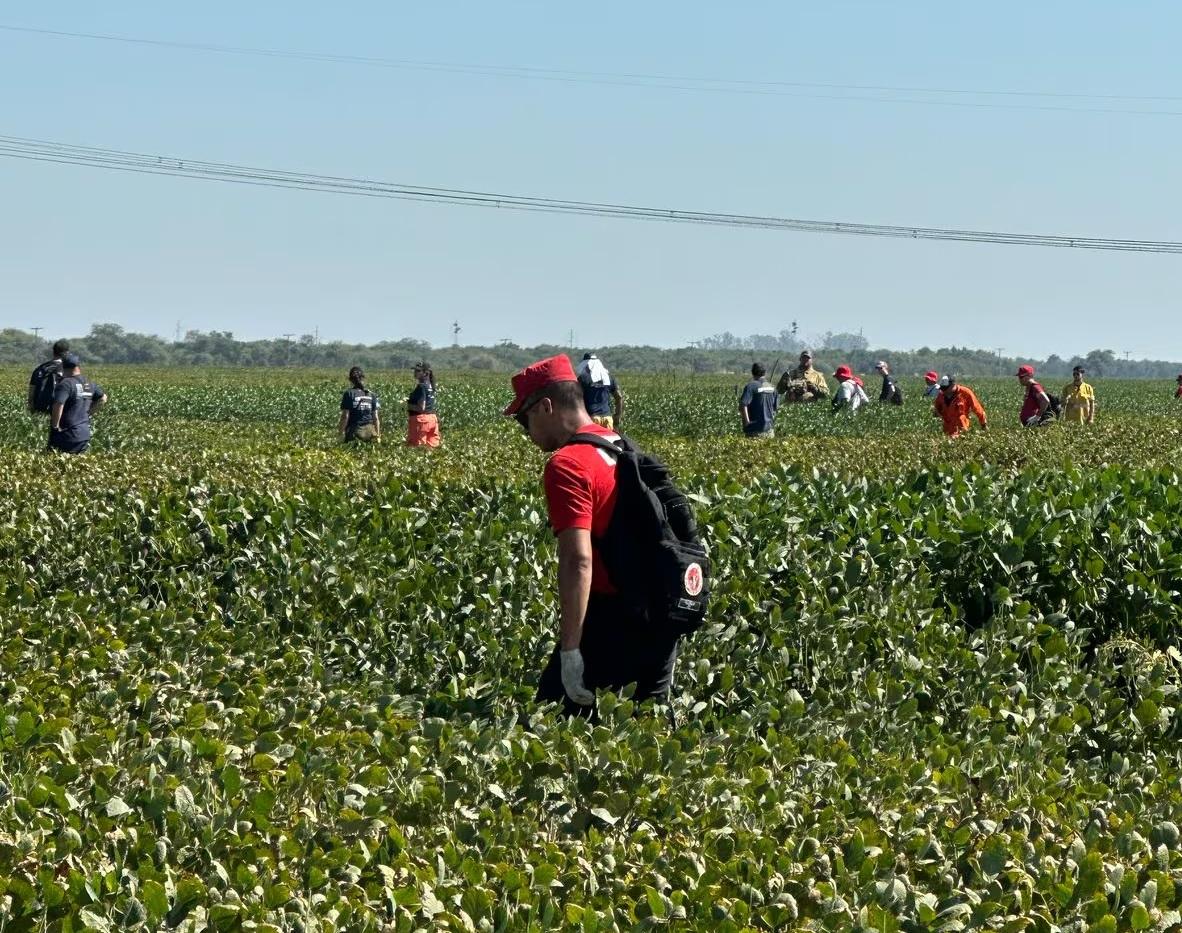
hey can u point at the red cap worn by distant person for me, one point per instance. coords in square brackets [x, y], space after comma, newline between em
[1024, 371]
[932, 377]
[843, 373]
[537, 376]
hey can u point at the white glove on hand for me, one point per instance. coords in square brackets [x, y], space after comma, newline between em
[572, 677]
[1032, 421]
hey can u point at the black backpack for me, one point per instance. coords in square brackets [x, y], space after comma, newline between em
[651, 547]
[1055, 407]
[897, 395]
[43, 382]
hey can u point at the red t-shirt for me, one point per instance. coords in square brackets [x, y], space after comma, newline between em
[1030, 407]
[580, 484]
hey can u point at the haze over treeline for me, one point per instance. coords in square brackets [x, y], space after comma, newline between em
[726, 352]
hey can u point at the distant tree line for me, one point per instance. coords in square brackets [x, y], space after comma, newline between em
[110, 343]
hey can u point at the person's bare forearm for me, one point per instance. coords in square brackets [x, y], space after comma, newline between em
[574, 585]
[343, 422]
[55, 416]
[377, 424]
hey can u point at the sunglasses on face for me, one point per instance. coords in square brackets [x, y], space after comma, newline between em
[523, 415]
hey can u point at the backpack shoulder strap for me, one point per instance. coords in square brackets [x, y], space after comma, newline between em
[598, 440]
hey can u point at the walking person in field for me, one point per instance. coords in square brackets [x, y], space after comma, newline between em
[606, 641]
[1036, 404]
[1178, 391]
[422, 427]
[1079, 399]
[931, 381]
[361, 418]
[758, 404]
[804, 383]
[75, 402]
[955, 404]
[850, 393]
[891, 392]
[600, 392]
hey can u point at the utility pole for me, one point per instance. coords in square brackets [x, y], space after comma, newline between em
[177, 336]
[572, 338]
[37, 331]
[455, 333]
[998, 350]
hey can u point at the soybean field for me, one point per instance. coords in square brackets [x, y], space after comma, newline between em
[251, 679]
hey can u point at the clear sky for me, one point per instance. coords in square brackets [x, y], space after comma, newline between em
[79, 245]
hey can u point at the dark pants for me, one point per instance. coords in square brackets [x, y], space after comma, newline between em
[68, 447]
[620, 646]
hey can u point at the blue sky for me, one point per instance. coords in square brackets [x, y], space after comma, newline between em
[78, 245]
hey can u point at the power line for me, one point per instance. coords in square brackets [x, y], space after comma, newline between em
[796, 89]
[37, 150]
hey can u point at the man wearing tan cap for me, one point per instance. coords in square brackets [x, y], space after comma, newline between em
[604, 642]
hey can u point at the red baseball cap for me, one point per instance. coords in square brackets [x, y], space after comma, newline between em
[1025, 371]
[843, 372]
[932, 376]
[537, 376]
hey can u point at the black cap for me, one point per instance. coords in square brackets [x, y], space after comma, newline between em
[1078, 369]
[70, 360]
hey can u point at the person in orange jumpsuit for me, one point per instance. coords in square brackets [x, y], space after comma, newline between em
[955, 404]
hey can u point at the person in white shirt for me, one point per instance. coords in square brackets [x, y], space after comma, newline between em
[850, 393]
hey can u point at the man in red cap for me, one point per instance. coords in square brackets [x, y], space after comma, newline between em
[932, 382]
[603, 642]
[849, 390]
[1037, 404]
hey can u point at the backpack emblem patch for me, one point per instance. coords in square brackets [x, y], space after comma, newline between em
[693, 579]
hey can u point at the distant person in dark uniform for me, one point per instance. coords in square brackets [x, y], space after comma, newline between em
[45, 379]
[361, 418]
[600, 391]
[758, 404]
[75, 401]
[890, 393]
[422, 427]
[1178, 391]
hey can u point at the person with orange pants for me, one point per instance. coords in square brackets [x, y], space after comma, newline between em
[422, 427]
[954, 404]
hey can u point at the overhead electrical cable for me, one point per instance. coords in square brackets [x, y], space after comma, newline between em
[953, 97]
[39, 150]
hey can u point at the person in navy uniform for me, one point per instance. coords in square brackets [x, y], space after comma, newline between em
[75, 401]
[360, 417]
[600, 392]
[758, 404]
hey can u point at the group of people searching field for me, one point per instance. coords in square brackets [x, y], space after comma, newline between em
[361, 414]
[954, 403]
[58, 389]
